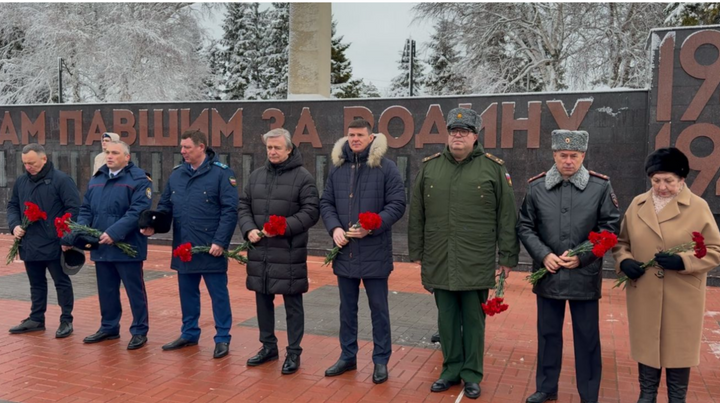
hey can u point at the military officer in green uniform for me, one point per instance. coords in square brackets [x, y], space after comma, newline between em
[462, 212]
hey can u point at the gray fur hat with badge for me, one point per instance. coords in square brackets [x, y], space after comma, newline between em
[569, 140]
[462, 118]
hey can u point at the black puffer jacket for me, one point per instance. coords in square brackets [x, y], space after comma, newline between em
[278, 265]
[558, 215]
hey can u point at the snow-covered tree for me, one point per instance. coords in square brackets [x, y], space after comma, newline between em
[690, 14]
[444, 78]
[243, 39]
[214, 82]
[113, 52]
[274, 71]
[400, 84]
[340, 67]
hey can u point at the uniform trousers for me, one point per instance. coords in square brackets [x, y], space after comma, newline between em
[461, 322]
[109, 276]
[216, 283]
[586, 339]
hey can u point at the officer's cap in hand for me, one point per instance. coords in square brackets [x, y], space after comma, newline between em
[160, 221]
[72, 260]
[85, 242]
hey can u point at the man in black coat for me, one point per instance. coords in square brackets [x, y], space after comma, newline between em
[558, 213]
[56, 194]
[278, 264]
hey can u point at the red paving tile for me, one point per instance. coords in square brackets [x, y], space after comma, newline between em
[39, 368]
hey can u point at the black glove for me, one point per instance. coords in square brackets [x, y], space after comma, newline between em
[632, 268]
[669, 262]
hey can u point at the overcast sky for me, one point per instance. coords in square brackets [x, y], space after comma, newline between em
[376, 32]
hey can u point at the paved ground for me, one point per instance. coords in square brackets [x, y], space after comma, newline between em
[38, 368]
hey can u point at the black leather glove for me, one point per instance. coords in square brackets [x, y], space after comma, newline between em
[632, 268]
[669, 262]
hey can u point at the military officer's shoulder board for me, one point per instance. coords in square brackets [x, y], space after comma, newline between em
[177, 166]
[494, 159]
[221, 165]
[599, 175]
[147, 175]
[426, 159]
[536, 177]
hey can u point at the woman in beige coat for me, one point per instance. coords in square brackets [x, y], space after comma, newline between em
[666, 302]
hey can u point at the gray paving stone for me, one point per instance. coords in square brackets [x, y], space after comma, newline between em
[17, 287]
[413, 317]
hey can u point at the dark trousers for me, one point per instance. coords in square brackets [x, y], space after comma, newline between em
[586, 338]
[461, 322]
[295, 317]
[39, 289]
[377, 293]
[216, 284]
[109, 276]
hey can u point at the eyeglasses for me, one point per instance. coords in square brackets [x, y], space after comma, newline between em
[460, 132]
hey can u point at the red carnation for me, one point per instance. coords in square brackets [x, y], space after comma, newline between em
[275, 226]
[494, 306]
[184, 252]
[33, 212]
[699, 245]
[369, 221]
[61, 225]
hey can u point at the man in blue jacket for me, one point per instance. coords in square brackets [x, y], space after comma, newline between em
[56, 194]
[202, 197]
[362, 180]
[116, 195]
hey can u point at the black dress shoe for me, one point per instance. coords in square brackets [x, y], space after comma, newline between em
[26, 326]
[263, 356]
[179, 343]
[65, 330]
[540, 397]
[291, 364]
[441, 385]
[221, 350]
[435, 338]
[137, 341]
[341, 367]
[472, 390]
[100, 336]
[380, 373]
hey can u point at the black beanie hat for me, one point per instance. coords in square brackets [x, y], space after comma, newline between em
[668, 159]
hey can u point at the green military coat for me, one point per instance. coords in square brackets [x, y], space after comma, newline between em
[461, 214]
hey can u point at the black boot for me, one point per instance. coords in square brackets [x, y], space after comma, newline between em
[677, 384]
[649, 381]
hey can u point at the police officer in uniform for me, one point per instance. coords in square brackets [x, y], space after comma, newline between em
[558, 213]
[116, 195]
[462, 212]
[202, 197]
[56, 194]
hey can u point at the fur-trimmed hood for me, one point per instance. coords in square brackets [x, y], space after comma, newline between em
[373, 154]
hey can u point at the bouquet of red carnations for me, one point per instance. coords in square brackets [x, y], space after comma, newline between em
[275, 226]
[598, 243]
[367, 221]
[496, 304]
[31, 214]
[697, 245]
[64, 225]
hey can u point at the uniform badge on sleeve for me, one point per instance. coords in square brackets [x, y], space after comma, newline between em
[233, 181]
[614, 199]
[148, 193]
[509, 179]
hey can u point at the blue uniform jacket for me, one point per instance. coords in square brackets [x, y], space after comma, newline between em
[204, 207]
[113, 206]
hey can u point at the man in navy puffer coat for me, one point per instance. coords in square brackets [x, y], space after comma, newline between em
[116, 195]
[362, 180]
[202, 197]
